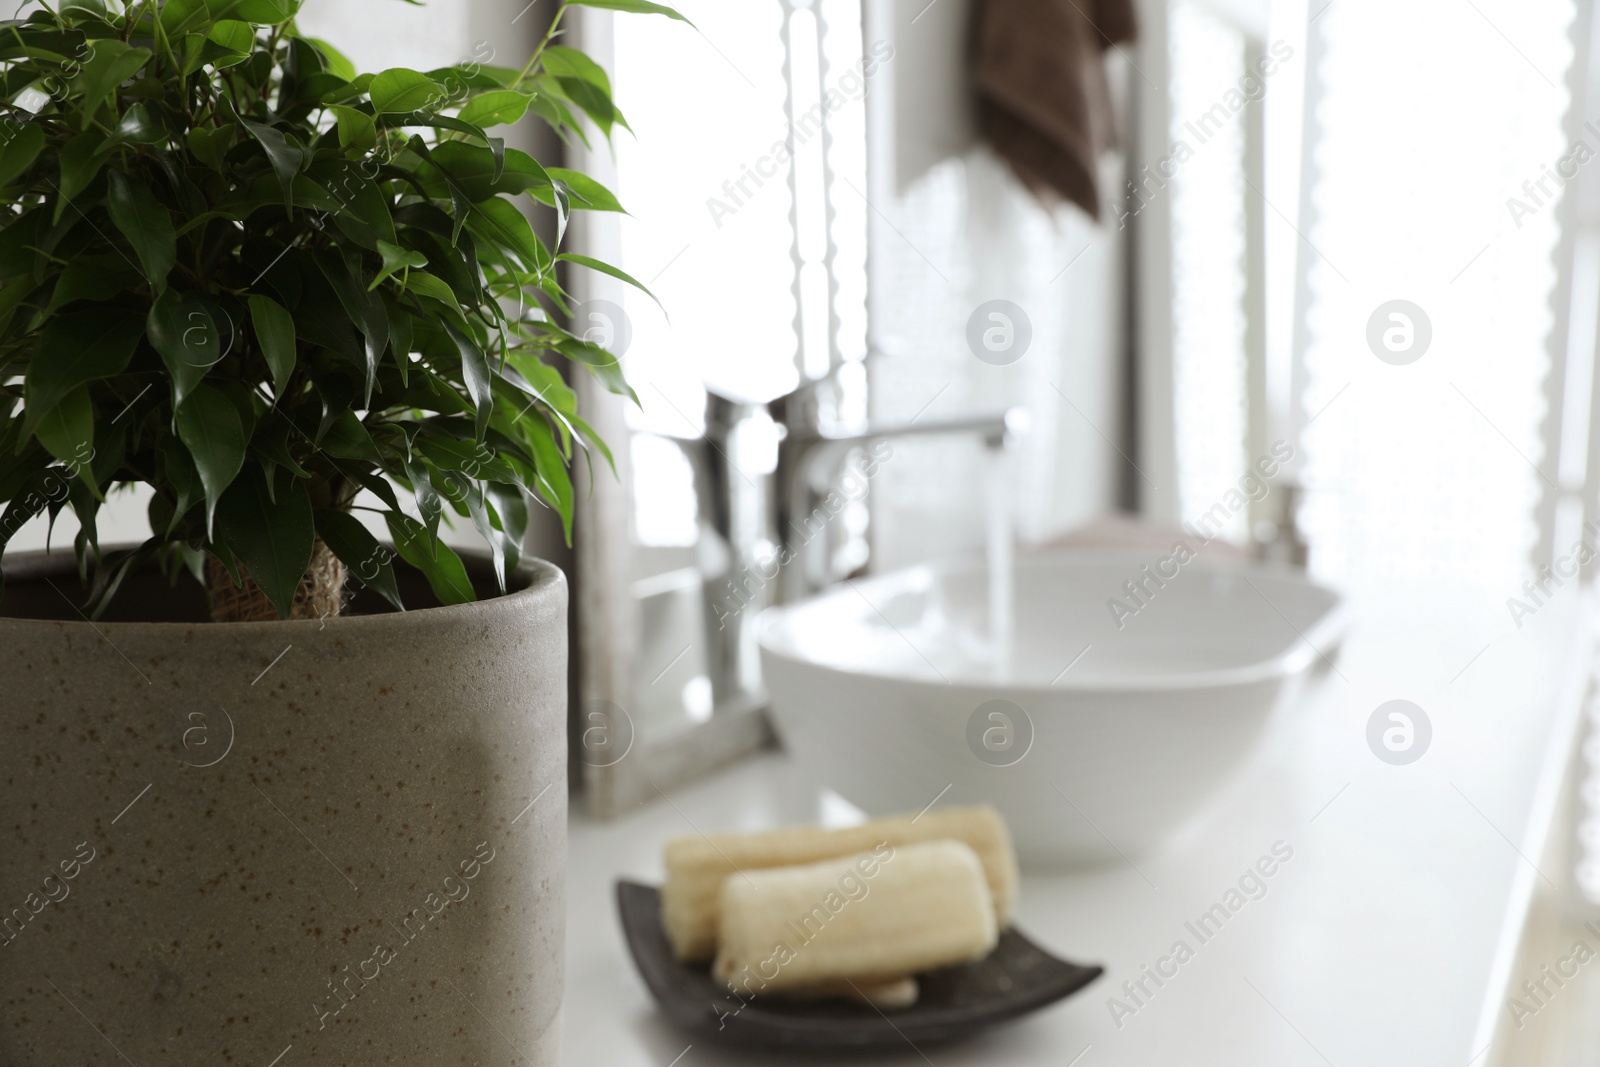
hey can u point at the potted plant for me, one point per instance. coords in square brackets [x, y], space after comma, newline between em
[281, 294]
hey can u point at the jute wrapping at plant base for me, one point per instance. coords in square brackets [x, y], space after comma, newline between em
[343, 835]
[317, 597]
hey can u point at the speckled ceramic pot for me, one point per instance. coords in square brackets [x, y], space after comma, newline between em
[336, 842]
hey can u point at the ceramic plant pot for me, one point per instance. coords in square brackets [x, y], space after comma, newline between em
[327, 842]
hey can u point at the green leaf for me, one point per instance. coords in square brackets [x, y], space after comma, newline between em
[136, 127]
[74, 350]
[209, 424]
[284, 157]
[146, 223]
[500, 221]
[571, 63]
[181, 328]
[111, 62]
[94, 8]
[364, 308]
[80, 162]
[273, 538]
[210, 145]
[67, 433]
[94, 278]
[473, 170]
[176, 470]
[275, 333]
[260, 12]
[436, 560]
[20, 152]
[179, 17]
[396, 258]
[399, 90]
[234, 35]
[365, 559]
[356, 129]
[424, 284]
[498, 107]
[475, 372]
[606, 268]
[347, 438]
[605, 365]
[589, 193]
[361, 208]
[638, 7]
[337, 62]
[15, 291]
[553, 485]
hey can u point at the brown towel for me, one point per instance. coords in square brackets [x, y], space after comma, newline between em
[1043, 100]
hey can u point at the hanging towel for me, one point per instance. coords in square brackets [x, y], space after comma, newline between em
[1044, 103]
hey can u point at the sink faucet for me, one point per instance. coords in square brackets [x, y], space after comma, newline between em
[809, 459]
[765, 529]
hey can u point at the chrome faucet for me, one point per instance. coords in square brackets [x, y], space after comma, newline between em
[767, 536]
[810, 456]
[1278, 537]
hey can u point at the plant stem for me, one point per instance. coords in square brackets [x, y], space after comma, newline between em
[549, 34]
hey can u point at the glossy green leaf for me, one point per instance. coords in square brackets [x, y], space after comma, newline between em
[399, 90]
[365, 560]
[498, 107]
[285, 157]
[569, 62]
[67, 433]
[347, 438]
[338, 63]
[500, 221]
[436, 560]
[75, 350]
[137, 127]
[177, 471]
[210, 144]
[275, 333]
[93, 278]
[234, 35]
[145, 222]
[180, 327]
[588, 192]
[111, 62]
[424, 284]
[260, 12]
[395, 259]
[209, 424]
[475, 372]
[365, 309]
[606, 268]
[271, 534]
[19, 152]
[80, 161]
[638, 7]
[472, 170]
[356, 129]
[553, 485]
[179, 17]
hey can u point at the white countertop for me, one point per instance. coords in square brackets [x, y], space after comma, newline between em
[1388, 938]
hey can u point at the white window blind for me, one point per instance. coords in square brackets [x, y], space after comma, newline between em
[1206, 162]
[1424, 135]
[741, 217]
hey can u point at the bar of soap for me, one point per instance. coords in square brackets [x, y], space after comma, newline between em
[885, 995]
[698, 866]
[863, 919]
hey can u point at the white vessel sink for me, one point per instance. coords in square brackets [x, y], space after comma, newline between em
[882, 689]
